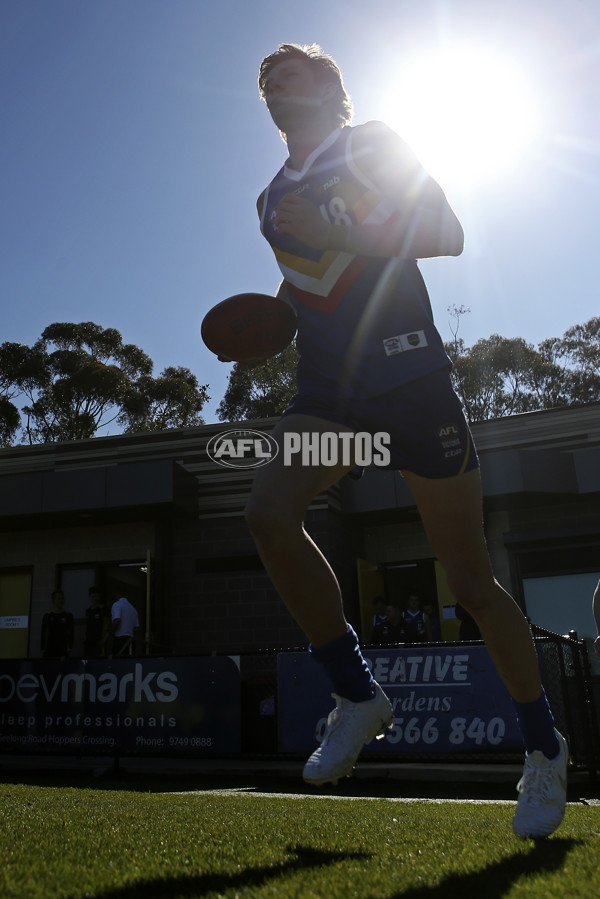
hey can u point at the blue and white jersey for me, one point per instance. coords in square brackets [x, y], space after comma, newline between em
[365, 324]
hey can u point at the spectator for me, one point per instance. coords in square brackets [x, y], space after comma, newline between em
[57, 629]
[96, 626]
[391, 629]
[125, 627]
[433, 624]
[378, 613]
[414, 621]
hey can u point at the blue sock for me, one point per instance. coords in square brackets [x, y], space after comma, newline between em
[537, 726]
[347, 669]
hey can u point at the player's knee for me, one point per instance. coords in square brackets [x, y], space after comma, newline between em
[256, 516]
[266, 520]
[470, 590]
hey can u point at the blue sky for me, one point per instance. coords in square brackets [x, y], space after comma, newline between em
[134, 146]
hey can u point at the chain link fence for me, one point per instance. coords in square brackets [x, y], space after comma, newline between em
[567, 678]
[569, 685]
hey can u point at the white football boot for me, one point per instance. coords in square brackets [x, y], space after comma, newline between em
[349, 726]
[542, 793]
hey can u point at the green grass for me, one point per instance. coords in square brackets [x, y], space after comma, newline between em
[58, 841]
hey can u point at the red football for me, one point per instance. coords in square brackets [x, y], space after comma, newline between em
[249, 326]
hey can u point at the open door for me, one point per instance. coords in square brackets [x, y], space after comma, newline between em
[15, 601]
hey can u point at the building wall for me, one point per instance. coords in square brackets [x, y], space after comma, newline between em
[397, 542]
[44, 550]
[221, 598]
[406, 541]
[580, 514]
[212, 591]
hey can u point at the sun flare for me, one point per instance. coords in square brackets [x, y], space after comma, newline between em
[469, 114]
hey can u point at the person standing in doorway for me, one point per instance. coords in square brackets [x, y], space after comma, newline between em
[414, 620]
[125, 627]
[96, 626]
[57, 629]
[391, 629]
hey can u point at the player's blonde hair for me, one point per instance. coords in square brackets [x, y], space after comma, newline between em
[326, 70]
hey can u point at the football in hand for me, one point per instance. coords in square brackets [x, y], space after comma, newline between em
[248, 327]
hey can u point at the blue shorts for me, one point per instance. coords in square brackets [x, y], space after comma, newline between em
[429, 434]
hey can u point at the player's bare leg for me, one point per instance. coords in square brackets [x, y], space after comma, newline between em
[451, 511]
[306, 583]
[275, 514]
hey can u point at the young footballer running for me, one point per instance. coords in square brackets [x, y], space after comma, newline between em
[347, 216]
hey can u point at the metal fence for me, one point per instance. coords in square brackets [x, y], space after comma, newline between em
[41, 710]
[573, 693]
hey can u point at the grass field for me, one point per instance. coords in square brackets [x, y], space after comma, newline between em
[164, 841]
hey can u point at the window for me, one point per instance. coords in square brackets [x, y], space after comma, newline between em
[113, 579]
[555, 580]
[563, 602]
[15, 601]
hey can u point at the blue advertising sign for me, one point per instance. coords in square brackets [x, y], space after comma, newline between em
[445, 700]
[144, 706]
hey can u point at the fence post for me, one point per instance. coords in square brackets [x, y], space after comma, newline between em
[583, 675]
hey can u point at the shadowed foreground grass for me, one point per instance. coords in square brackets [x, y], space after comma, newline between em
[116, 844]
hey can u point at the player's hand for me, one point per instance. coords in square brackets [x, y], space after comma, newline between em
[251, 363]
[302, 219]
[244, 363]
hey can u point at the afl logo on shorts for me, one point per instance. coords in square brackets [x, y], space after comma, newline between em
[392, 346]
[447, 431]
[242, 449]
[450, 438]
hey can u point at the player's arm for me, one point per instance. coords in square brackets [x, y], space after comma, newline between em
[251, 363]
[282, 292]
[260, 203]
[423, 224]
[283, 295]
